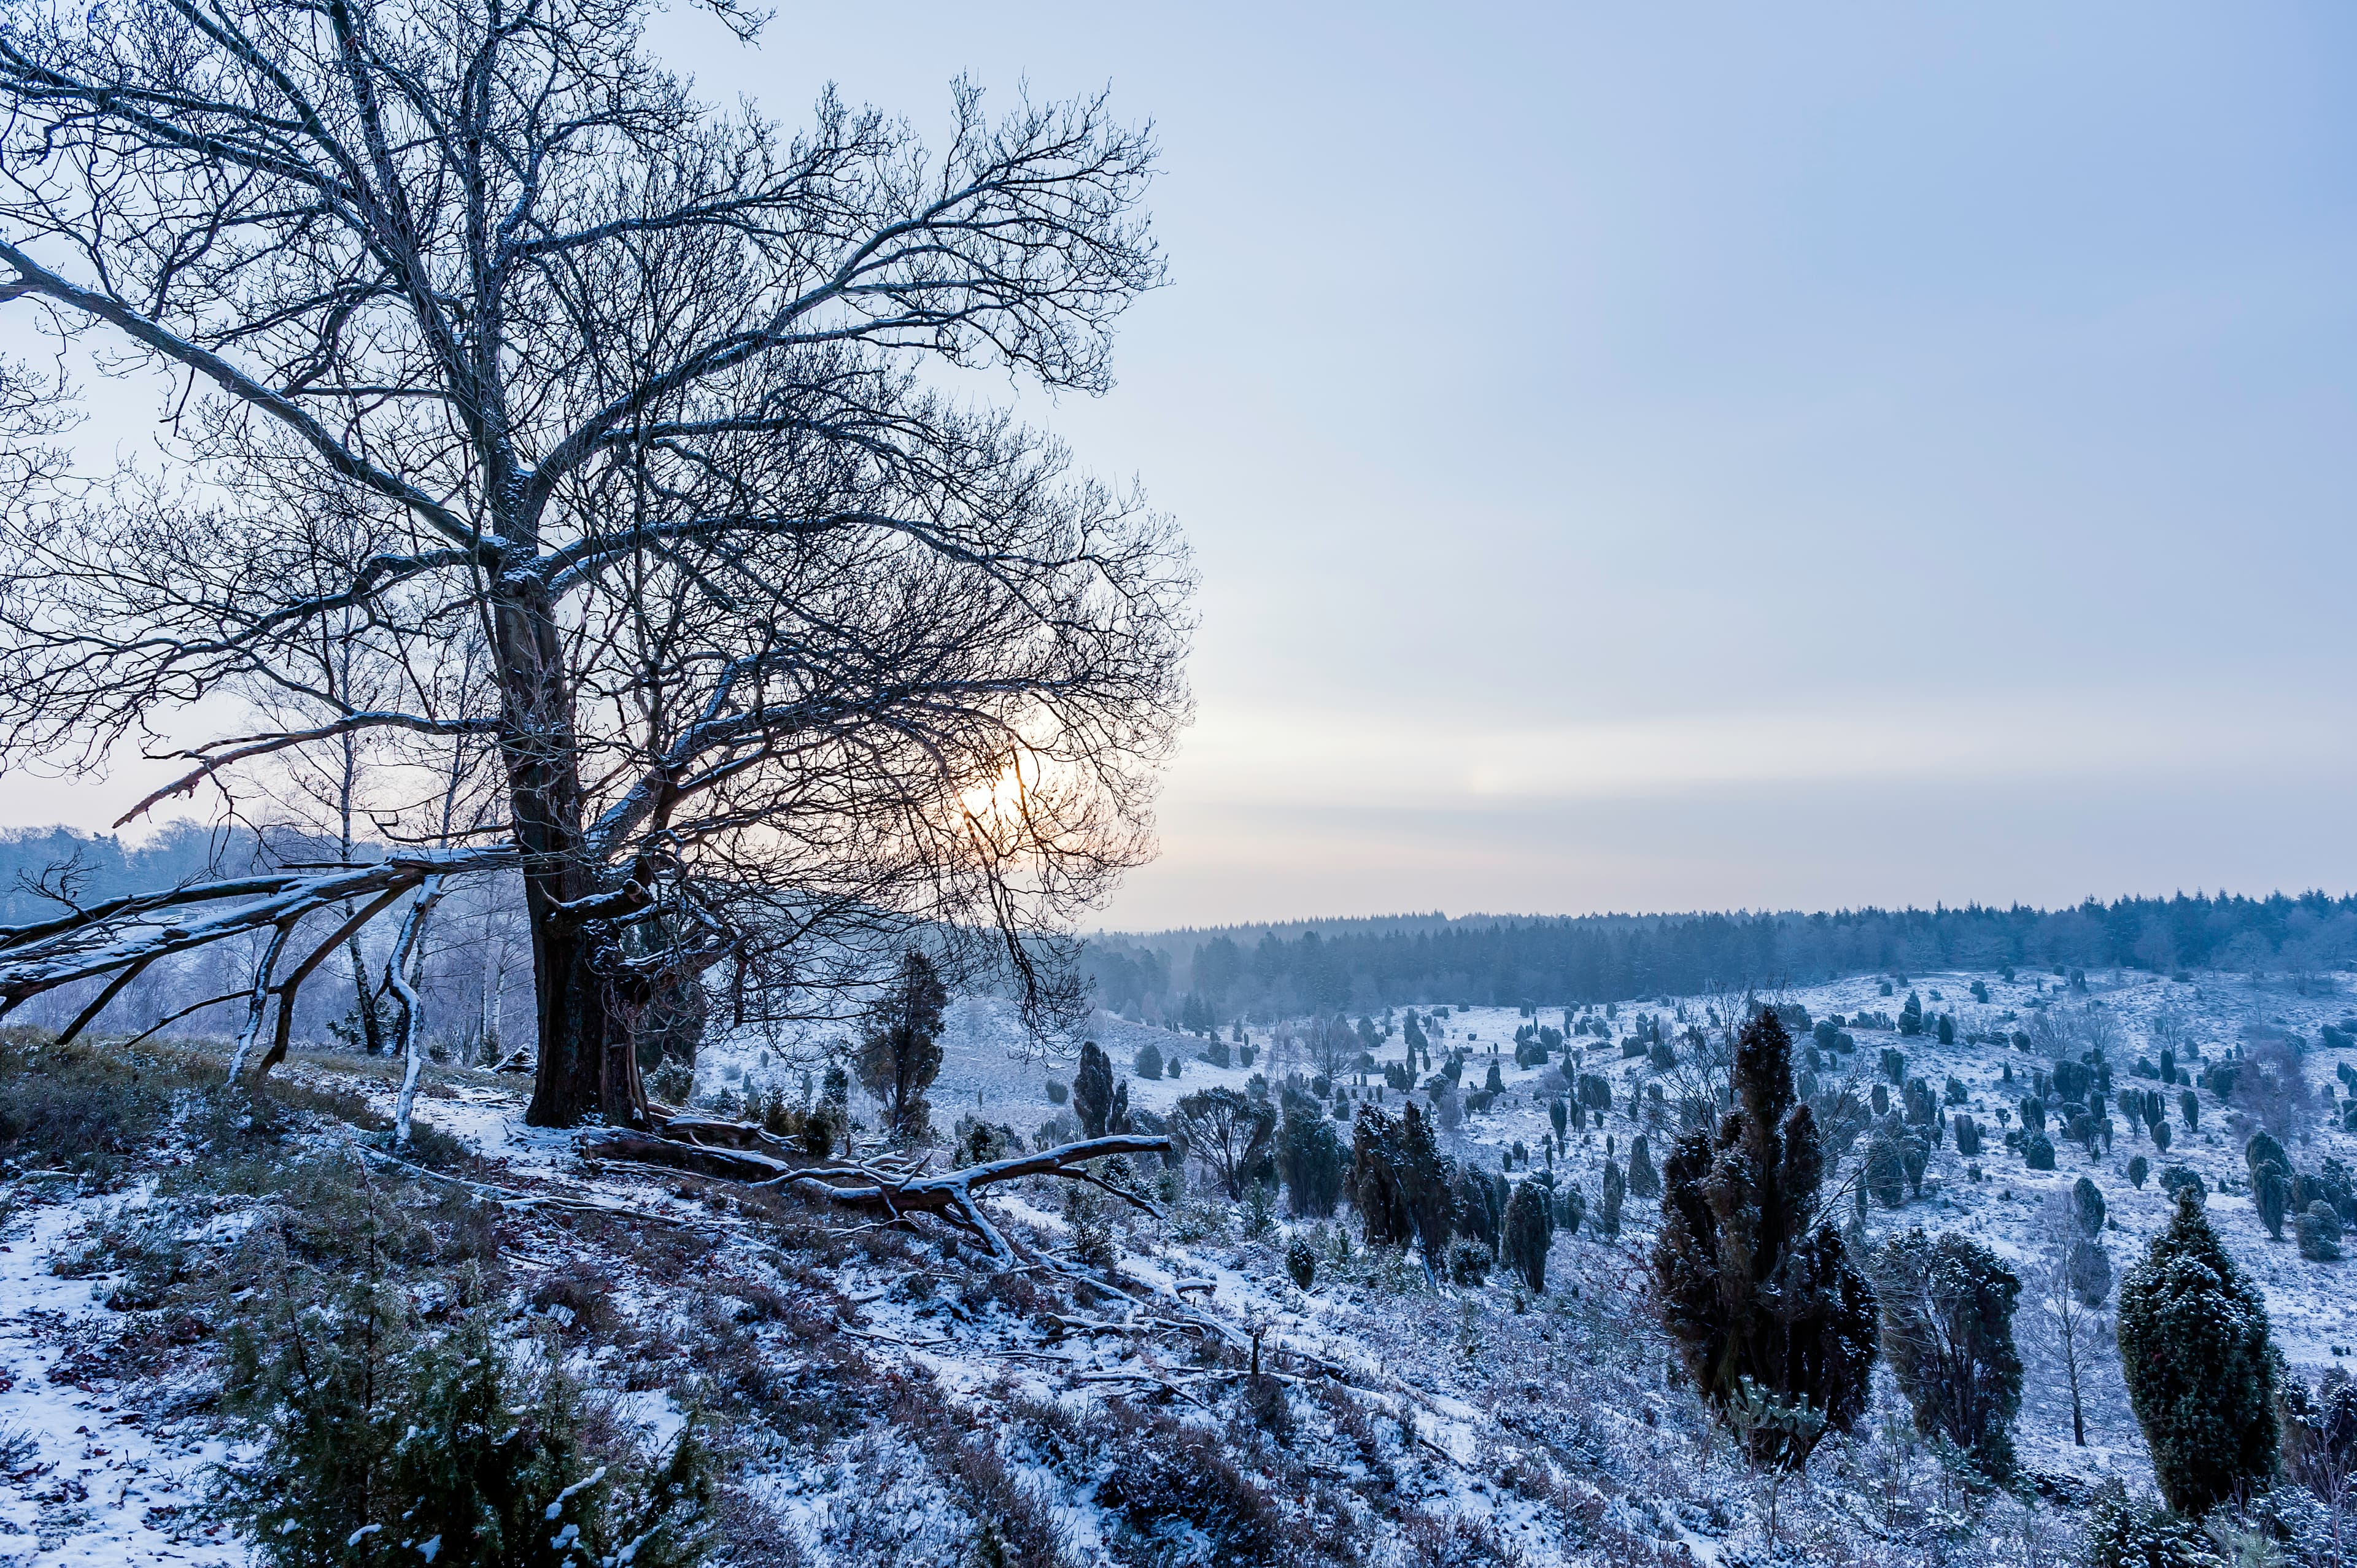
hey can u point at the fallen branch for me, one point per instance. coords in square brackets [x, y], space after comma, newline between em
[893, 1187]
[558, 1203]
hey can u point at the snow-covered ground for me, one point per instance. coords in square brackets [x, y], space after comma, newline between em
[990, 1072]
[83, 1481]
[1425, 1422]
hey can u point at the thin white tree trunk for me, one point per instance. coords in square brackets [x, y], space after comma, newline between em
[258, 1004]
[397, 975]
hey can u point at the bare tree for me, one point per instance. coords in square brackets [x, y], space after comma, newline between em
[2271, 1088]
[1700, 1082]
[475, 320]
[1334, 1047]
[2075, 1327]
[1283, 1050]
[2066, 1034]
[1229, 1132]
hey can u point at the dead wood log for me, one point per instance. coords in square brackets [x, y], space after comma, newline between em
[887, 1187]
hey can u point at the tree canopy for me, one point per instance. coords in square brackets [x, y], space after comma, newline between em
[577, 452]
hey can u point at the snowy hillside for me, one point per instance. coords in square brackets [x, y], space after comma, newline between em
[1142, 1388]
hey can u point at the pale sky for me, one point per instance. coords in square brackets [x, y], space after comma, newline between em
[1651, 457]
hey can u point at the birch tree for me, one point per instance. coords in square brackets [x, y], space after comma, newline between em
[470, 319]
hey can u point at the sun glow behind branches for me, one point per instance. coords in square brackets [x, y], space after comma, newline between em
[1000, 810]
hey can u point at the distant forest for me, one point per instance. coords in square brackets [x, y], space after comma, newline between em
[1196, 977]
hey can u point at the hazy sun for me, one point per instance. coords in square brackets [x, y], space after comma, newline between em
[1001, 795]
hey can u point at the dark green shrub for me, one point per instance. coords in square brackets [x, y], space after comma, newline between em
[375, 1445]
[1310, 1159]
[1093, 1091]
[1608, 1207]
[1058, 1092]
[1400, 1183]
[1530, 1231]
[1968, 1136]
[1468, 1262]
[1918, 1105]
[1643, 1180]
[2138, 1169]
[2195, 1351]
[2270, 1196]
[1947, 1331]
[2320, 1430]
[2270, 1182]
[1301, 1261]
[1914, 1158]
[2037, 1152]
[2131, 1533]
[900, 1055]
[1479, 1208]
[2087, 1207]
[1757, 1289]
[2090, 1270]
[978, 1143]
[2320, 1233]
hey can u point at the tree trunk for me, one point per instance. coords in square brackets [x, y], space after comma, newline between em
[2078, 1414]
[372, 1038]
[586, 1069]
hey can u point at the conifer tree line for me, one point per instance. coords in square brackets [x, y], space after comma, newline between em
[1359, 964]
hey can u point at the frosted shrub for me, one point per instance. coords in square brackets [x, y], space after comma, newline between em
[2195, 1350]
[1301, 1261]
[1947, 1331]
[1735, 1214]
[2131, 1533]
[377, 1446]
[2320, 1233]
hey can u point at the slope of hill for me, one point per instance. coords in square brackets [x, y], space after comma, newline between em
[1220, 1381]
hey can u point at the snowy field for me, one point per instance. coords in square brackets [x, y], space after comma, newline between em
[1541, 1430]
[990, 1072]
